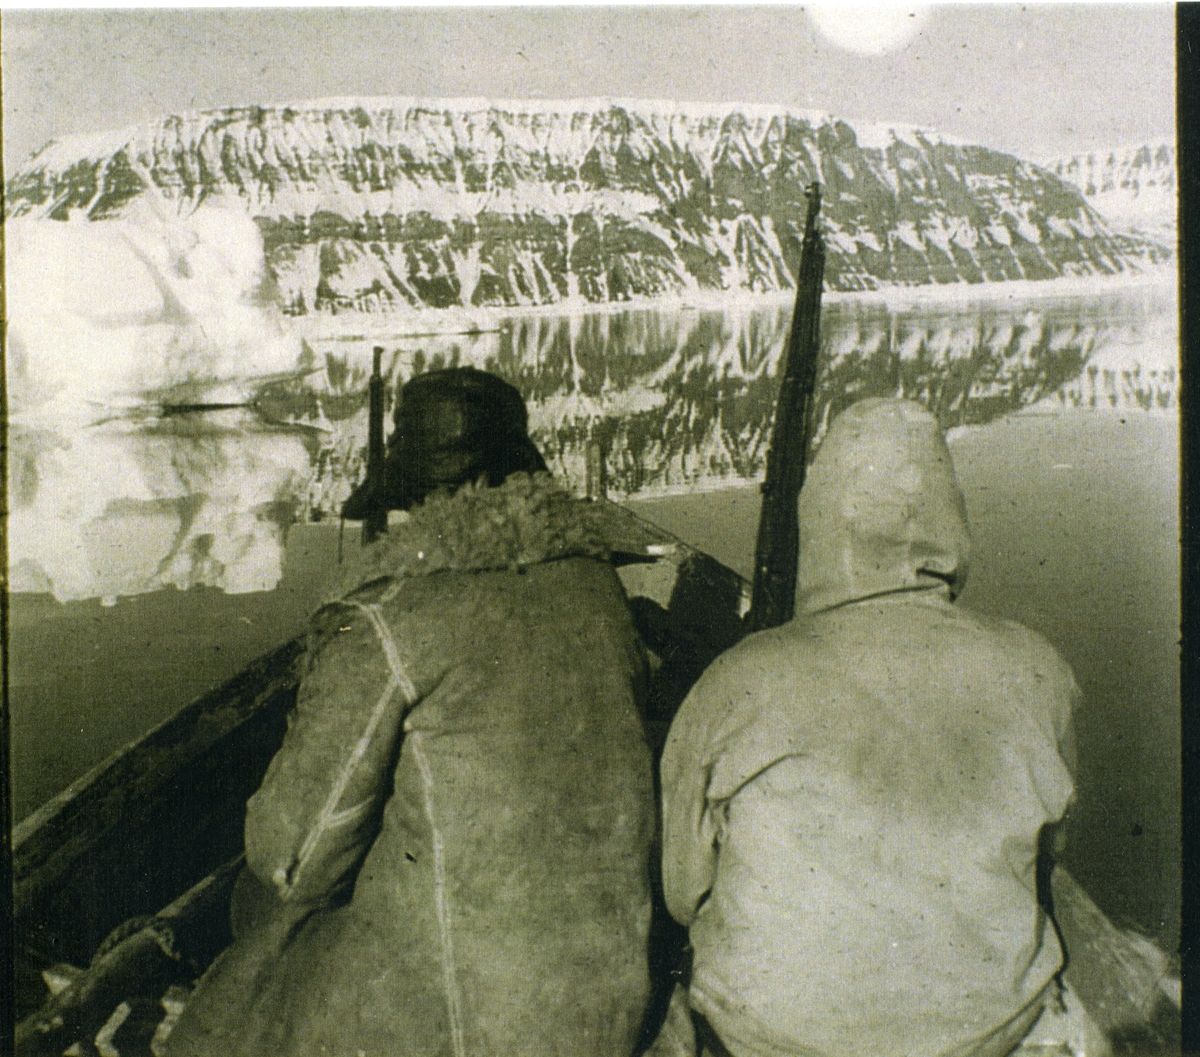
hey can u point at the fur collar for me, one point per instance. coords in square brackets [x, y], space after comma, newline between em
[525, 521]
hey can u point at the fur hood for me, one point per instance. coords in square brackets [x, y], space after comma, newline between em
[525, 521]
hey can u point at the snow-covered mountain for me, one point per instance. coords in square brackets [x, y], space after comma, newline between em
[1133, 187]
[377, 203]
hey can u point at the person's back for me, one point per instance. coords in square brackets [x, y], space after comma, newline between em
[468, 730]
[853, 802]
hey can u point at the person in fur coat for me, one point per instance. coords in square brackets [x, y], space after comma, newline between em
[457, 828]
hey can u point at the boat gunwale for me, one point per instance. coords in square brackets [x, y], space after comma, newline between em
[51, 838]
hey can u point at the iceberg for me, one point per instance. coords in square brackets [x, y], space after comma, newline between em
[151, 308]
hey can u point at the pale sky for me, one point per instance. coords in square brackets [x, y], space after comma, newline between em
[1037, 80]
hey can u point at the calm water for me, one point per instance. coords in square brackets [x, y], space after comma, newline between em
[132, 501]
[1074, 514]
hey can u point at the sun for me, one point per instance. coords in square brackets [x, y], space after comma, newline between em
[867, 29]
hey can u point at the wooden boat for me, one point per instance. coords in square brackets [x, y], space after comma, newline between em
[148, 843]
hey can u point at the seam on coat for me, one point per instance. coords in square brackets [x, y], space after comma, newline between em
[390, 651]
[350, 814]
[330, 816]
[329, 812]
[392, 591]
[441, 902]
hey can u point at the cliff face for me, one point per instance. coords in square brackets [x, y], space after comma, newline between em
[1133, 187]
[375, 204]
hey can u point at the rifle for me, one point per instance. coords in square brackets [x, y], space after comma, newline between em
[375, 522]
[777, 551]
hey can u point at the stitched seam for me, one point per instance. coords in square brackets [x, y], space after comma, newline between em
[392, 591]
[329, 812]
[390, 651]
[350, 814]
[330, 816]
[441, 902]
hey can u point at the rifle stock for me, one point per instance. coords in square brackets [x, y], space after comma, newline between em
[777, 551]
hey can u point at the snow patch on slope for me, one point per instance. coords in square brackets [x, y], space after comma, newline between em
[1134, 186]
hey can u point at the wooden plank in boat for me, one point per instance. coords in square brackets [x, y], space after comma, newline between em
[169, 948]
[1123, 979]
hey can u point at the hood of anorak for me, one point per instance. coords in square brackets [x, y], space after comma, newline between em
[525, 521]
[881, 510]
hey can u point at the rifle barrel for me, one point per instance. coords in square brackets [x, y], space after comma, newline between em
[777, 551]
[375, 523]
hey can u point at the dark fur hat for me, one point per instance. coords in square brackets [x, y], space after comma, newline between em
[452, 427]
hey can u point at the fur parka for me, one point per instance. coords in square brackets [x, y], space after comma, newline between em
[459, 822]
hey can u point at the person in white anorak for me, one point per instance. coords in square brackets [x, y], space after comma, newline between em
[853, 802]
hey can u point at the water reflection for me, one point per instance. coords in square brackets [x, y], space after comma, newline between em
[685, 399]
[123, 509]
[678, 399]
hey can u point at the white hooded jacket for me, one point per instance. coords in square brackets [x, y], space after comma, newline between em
[852, 802]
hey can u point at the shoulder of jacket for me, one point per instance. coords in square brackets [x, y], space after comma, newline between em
[348, 618]
[1034, 642]
[1046, 663]
[736, 683]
